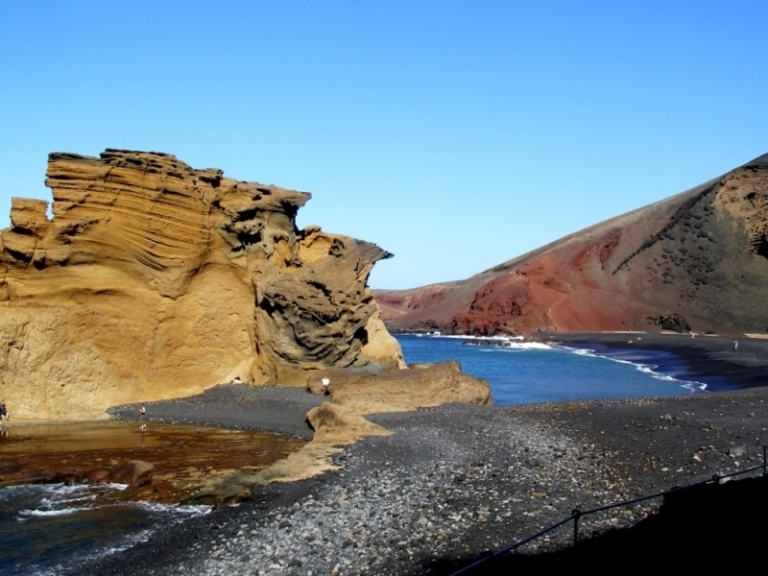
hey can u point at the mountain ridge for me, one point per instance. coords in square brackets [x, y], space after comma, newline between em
[697, 260]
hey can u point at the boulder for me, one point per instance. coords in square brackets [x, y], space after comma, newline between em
[422, 386]
[341, 424]
[134, 473]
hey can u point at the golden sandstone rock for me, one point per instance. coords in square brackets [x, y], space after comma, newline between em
[422, 386]
[155, 280]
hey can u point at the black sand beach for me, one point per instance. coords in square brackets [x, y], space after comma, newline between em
[239, 406]
[739, 360]
[454, 482]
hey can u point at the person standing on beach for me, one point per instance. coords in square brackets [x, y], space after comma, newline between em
[3, 417]
[142, 416]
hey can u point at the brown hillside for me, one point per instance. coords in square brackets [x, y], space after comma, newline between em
[697, 260]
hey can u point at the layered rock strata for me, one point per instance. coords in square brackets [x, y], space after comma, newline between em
[154, 280]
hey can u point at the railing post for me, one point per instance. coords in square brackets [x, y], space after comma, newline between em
[576, 516]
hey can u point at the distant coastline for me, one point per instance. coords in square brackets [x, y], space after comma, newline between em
[714, 357]
[744, 365]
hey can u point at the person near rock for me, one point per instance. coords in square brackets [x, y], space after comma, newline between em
[326, 382]
[4, 413]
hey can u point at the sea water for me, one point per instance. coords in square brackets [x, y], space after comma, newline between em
[522, 372]
[48, 529]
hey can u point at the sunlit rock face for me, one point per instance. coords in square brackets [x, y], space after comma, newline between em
[696, 261]
[154, 280]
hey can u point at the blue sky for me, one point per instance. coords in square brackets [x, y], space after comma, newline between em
[456, 135]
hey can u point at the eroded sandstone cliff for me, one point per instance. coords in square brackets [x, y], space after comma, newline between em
[695, 261]
[154, 280]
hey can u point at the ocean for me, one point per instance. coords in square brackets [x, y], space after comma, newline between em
[50, 529]
[521, 372]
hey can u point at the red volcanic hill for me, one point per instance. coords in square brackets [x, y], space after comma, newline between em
[695, 261]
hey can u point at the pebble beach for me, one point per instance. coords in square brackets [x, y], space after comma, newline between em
[456, 482]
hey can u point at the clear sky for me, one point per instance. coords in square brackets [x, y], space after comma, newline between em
[455, 134]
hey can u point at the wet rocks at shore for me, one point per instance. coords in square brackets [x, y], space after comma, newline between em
[165, 463]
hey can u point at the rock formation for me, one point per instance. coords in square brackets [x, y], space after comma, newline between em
[695, 261]
[423, 386]
[154, 280]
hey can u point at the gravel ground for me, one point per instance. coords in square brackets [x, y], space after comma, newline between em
[236, 406]
[454, 482]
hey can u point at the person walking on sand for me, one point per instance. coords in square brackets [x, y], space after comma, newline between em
[3, 417]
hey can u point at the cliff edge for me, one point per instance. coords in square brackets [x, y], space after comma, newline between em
[155, 280]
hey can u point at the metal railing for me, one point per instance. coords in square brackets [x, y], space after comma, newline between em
[577, 514]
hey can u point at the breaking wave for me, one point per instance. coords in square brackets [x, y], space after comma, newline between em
[54, 528]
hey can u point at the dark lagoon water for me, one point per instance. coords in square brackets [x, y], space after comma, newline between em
[522, 372]
[61, 528]
[51, 528]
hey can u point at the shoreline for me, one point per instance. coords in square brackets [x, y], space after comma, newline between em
[453, 482]
[714, 357]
